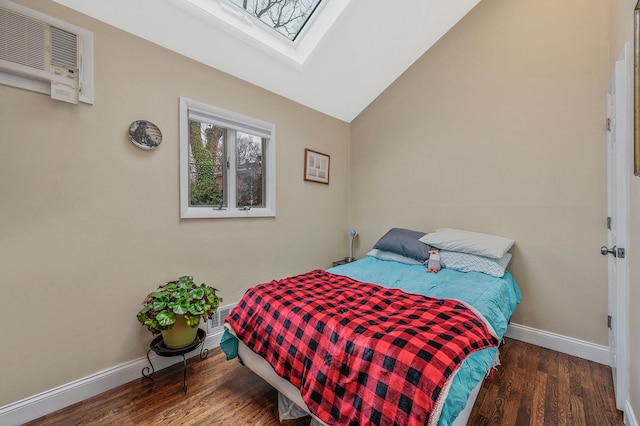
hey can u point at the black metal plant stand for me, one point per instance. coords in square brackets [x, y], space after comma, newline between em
[157, 345]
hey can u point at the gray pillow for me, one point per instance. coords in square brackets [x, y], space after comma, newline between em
[404, 242]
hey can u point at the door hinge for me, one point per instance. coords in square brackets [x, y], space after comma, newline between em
[609, 223]
[609, 322]
[608, 124]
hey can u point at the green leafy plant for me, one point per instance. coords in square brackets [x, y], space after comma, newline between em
[181, 297]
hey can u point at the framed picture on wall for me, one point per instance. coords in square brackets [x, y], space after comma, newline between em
[316, 166]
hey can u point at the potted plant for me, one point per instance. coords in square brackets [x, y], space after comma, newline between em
[175, 310]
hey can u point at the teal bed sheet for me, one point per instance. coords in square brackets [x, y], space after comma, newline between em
[494, 298]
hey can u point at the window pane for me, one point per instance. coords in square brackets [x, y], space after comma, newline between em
[287, 17]
[227, 164]
[206, 161]
[250, 170]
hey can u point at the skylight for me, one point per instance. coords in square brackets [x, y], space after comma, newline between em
[287, 17]
[286, 29]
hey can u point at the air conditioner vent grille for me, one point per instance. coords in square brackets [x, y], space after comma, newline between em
[217, 322]
[22, 40]
[64, 48]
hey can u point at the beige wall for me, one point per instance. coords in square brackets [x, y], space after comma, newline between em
[499, 128]
[621, 32]
[90, 224]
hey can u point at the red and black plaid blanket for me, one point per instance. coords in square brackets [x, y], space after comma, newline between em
[360, 353]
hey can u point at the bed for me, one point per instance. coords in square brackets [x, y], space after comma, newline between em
[399, 277]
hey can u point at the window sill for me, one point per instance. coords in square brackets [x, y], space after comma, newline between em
[214, 213]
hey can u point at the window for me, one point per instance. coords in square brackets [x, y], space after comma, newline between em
[227, 164]
[287, 17]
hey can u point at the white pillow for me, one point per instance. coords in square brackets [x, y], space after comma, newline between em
[465, 262]
[469, 242]
[389, 255]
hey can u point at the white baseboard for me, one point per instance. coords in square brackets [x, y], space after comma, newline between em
[54, 399]
[629, 416]
[560, 343]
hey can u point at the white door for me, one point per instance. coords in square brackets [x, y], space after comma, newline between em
[618, 136]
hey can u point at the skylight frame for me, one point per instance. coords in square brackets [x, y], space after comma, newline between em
[234, 20]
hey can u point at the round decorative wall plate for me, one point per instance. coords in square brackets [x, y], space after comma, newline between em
[144, 134]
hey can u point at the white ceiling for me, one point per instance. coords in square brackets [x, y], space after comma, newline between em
[369, 43]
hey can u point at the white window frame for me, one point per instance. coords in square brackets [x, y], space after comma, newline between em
[254, 32]
[230, 120]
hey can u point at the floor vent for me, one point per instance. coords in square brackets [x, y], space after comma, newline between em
[216, 324]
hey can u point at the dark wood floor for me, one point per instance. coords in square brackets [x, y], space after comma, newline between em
[534, 386]
[537, 386]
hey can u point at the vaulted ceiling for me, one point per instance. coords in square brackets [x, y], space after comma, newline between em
[349, 54]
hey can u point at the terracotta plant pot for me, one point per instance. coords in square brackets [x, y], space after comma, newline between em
[180, 335]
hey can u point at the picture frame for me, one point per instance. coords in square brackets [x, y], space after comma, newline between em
[636, 90]
[316, 166]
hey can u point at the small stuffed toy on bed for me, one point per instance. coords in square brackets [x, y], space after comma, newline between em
[434, 264]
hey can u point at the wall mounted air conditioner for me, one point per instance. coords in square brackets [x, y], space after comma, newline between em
[44, 54]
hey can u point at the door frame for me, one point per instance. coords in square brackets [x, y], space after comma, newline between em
[620, 89]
